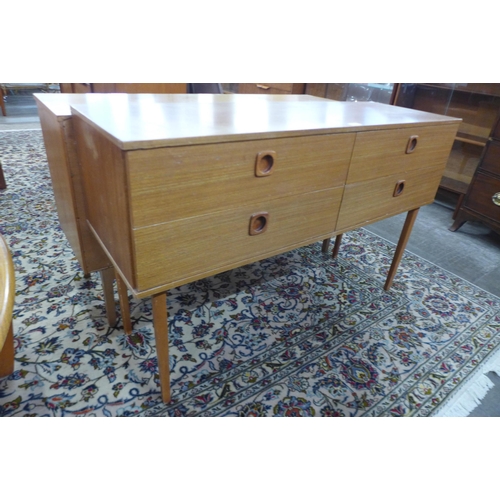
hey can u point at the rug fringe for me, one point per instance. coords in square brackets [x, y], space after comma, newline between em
[470, 396]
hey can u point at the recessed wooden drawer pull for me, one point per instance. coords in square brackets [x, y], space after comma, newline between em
[258, 223]
[399, 188]
[496, 199]
[264, 163]
[263, 87]
[412, 144]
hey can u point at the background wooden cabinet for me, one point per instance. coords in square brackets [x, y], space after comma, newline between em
[127, 88]
[482, 200]
[264, 88]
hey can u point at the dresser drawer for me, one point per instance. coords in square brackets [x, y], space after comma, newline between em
[491, 159]
[388, 152]
[479, 197]
[167, 184]
[181, 251]
[82, 88]
[368, 201]
[265, 88]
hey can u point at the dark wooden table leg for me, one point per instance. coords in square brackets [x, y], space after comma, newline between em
[160, 323]
[336, 246]
[403, 240]
[3, 184]
[459, 204]
[107, 278]
[2, 102]
[326, 245]
[124, 305]
[460, 220]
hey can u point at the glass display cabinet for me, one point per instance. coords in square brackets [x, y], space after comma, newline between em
[378, 92]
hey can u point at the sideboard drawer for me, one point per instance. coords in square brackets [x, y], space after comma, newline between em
[173, 183]
[180, 251]
[491, 159]
[368, 201]
[388, 152]
[480, 196]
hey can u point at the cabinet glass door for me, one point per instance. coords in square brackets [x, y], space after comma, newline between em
[377, 92]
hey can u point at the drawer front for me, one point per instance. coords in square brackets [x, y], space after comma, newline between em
[368, 201]
[175, 183]
[387, 152]
[491, 159]
[265, 88]
[181, 251]
[480, 196]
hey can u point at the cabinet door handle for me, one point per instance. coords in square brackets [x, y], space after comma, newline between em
[264, 163]
[496, 199]
[399, 188]
[412, 144]
[263, 87]
[258, 223]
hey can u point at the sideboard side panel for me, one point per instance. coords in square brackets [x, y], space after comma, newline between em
[105, 183]
[60, 174]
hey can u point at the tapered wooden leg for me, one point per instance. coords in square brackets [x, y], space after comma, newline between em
[7, 354]
[160, 323]
[124, 305]
[336, 246]
[107, 278]
[403, 240]
[326, 245]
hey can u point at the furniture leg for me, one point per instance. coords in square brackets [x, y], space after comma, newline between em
[336, 246]
[403, 240]
[124, 305]
[160, 323]
[107, 278]
[2, 102]
[326, 244]
[459, 204]
[3, 184]
[7, 354]
[460, 220]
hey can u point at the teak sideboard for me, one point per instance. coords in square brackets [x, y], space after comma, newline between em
[181, 187]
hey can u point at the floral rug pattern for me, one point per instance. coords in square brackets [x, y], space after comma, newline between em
[295, 335]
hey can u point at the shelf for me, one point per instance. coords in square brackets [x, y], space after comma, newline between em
[453, 185]
[471, 139]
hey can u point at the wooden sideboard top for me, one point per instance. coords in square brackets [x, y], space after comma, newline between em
[143, 121]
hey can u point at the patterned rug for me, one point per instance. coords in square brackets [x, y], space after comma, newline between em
[295, 335]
